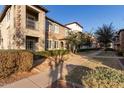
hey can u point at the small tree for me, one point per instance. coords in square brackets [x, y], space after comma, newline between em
[88, 40]
[75, 40]
[105, 34]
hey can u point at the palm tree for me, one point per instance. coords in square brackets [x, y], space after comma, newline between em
[105, 34]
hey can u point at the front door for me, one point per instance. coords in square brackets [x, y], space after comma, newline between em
[31, 43]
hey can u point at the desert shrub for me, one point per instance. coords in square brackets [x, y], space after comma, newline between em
[103, 78]
[51, 53]
[13, 61]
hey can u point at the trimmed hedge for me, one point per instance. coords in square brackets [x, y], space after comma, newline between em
[13, 61]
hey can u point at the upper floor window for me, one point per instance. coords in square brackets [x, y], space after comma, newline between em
[56, 29]
[30, 22]
[66, 32]
[51, 27]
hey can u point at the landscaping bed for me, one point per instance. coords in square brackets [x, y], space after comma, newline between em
[101, 77]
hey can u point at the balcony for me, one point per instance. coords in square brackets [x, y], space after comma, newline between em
[32, 18]
[31, 24]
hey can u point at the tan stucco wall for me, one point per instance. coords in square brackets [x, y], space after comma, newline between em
[8, 28]
[60, 37]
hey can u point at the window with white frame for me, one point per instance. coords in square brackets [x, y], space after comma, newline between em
[49, 44]
[55, 44]
[56, 29]
[66, 32]
[51, 27]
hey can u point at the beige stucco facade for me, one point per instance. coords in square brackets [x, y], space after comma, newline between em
[54, 34]
[17, 22]
[28, 24]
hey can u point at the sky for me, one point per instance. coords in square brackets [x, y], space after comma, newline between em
[90, 17]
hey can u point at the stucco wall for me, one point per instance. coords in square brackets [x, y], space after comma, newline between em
[60, 36]
[7, 28]
[18, 22]
[75, 27]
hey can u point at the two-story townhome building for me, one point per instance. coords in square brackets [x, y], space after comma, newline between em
[27, 27]
[23, 27]
[56, 34]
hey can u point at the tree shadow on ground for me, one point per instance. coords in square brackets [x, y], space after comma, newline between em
[38, 61]
[75, 76]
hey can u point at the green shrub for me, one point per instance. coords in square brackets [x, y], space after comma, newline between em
[109, 49]
[103, 78]
[51, 53]
[12, 61]
[119, 53]
[87, 49]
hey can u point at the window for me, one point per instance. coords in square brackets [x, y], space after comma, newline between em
[30, 44]
[51, 27]
[66, 32]
[55, 44]
[56, 29]
[49, 43]
[30, 22]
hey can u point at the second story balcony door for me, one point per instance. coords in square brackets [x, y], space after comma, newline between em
[31, 18]
[30, 22]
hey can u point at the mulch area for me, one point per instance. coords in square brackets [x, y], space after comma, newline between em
[64, 84]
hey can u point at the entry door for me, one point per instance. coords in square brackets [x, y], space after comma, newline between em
[30, 44]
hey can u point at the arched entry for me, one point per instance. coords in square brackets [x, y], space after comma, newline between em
[61, 44]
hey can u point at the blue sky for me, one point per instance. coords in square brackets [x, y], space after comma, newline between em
[90, 17]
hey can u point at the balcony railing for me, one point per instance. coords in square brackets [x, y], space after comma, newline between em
[31, 24]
